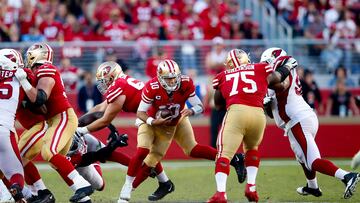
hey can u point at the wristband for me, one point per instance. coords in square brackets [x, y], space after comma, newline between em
[25, 85]
[149, 120]
[197, 109]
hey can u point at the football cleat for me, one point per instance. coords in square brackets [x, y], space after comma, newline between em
[44, 196]
[81, 193]
[218, 197]
[250, 193]
[350, 180]
[16, 193]
[125, 193]
[309, 191]
[239, 164]
[163, 189]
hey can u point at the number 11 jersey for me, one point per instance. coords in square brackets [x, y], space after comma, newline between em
[246, 84]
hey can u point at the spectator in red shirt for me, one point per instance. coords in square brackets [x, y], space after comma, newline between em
[115, 28]
[50, 28]
[142, 12]
[73, 29]
[153, 61]
[69, 74]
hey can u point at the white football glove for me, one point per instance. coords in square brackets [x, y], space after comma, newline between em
[267, 100]
[20, 74]
[291, 63]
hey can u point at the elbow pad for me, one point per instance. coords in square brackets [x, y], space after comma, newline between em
[41, 98]
[284, 72]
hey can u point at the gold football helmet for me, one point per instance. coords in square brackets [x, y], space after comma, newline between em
[14, 56]
[169, 69]
[39, 53]
[106, 74]
[236, 58]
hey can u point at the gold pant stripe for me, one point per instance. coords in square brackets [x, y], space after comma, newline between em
[34, 139]
[220, 135]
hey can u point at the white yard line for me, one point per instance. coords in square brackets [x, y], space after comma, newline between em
[190, 163]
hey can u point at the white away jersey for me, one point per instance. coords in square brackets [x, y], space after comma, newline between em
[9, 100]
[289, 107]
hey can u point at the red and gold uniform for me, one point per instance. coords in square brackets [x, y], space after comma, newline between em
[35, 127]
[158, 138]
[243, 89]
[60, 117]
[128, 86]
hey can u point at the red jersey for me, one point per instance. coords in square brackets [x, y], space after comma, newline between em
[246, 84]
[156, 95]
[128, 86]
[24, 116]
[57, 101]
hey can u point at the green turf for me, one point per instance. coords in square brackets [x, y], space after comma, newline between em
[197, 184]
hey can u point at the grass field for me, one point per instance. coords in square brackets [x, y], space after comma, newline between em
[194, 182]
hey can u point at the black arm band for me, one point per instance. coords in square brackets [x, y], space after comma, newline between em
[41, 98]
[284, 72]
[89, 118]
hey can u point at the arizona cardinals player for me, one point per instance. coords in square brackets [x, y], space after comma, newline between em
[169, 90]
[298, 119]
[242, 88]
[10, 98]
[60, 116]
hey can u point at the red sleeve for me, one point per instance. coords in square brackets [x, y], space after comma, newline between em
[191, 88]
[147, 93]
[217, 80]
[46, 71]
[114, 92]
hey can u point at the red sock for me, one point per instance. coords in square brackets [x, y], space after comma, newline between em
[222, 165]
[324, 166]
[309, 174]
[143, 173]
[63, 167]
[136, 161]
[119, 158]
[17, 179]
[203, 151]
[252, 158]
[31, 173]
[158, 168]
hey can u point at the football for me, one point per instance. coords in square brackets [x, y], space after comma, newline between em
[163, 113]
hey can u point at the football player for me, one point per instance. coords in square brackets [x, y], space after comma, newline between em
[292, 114]
[60, 116]
[10, 98]
[167, 92]
[242, 88]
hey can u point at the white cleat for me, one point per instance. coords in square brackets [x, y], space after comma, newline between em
[125, 193]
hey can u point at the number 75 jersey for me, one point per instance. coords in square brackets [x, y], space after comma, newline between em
[246, 84]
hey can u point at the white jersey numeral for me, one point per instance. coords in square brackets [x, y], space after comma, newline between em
[243, 75]
[136, 84]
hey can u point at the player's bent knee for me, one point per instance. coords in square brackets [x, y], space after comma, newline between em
[152, 159]
[46, 154]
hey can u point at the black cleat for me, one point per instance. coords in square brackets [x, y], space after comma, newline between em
[238, 162]
[309, 191]
[81, 193]
[32, 199]
[16, 193]
[350, 180]
[44, 196]
[162, 191]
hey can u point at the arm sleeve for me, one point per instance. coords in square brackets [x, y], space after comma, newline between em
[144, 106]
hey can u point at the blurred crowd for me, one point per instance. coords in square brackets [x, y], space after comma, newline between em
[331, 20]
[110, 20]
